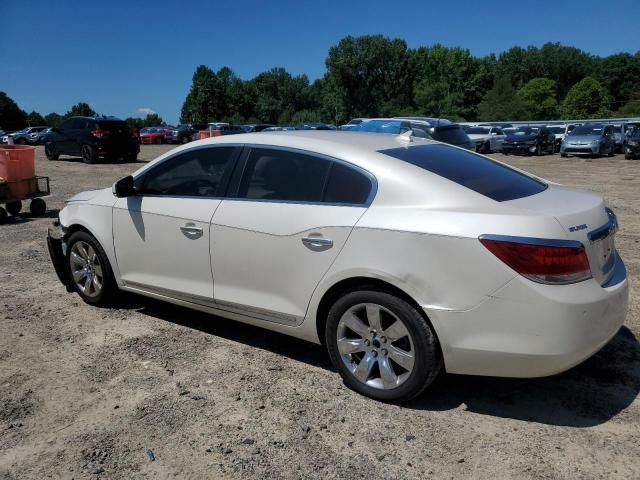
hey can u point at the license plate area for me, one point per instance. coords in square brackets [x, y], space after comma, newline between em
[603, 250]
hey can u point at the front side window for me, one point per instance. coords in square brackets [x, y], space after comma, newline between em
[195, 173]
[283, 175]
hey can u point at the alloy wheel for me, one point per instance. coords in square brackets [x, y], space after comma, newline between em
[86, 269]
[375, 346]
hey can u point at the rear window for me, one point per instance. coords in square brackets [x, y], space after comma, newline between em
[380, 126]
[119, 127]
[452, 135]
[478, 173]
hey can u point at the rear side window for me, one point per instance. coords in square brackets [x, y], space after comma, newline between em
[347, 186]
[283, 175]
[195, 173]
[452, 135]
[478, 173]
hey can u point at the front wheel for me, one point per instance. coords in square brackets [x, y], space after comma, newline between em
[185, 139]
[382, 346]
[38, 207]
[89, 269]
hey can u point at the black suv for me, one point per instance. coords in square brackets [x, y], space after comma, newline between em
[529, 141]
[183, 133]
[632, 144]
[93, 138]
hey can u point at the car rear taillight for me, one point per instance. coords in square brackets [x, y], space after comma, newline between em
[541, 260]
[99, 133]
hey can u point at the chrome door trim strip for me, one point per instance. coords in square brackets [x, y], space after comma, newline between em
[229, 307]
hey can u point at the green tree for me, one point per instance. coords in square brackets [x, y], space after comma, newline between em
[586, 99]
[631, 109]
[81, 109]
[153, 120]
[279, 95]
[375, 73]
[11, 116]
[34, 119]
[199, 105]
[501, 103]
[53, 119]
[538, 97]
[619, 74]
[135, 122]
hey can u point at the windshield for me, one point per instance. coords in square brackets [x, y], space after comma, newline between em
[379, 126]
[555, 129]
[617, 128]
[478, 131]
[525, 131]
[595, 130]
[480, 174]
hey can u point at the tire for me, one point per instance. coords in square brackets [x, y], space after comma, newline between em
[50, 151]
[14, 207]
[3, 216]
[538, 151]
[414, 337]
[38, 207]
[184, 139]
[82, 267]
[158, 141]
[89, 154]
[612, 152]
[20, 141]
[131, 158]
[563, 155]
[486, 148]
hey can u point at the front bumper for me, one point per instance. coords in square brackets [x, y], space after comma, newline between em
[519, 148]
[579, 149]
[56, 245]
[529, 330]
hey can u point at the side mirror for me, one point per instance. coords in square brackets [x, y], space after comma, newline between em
[124, 187]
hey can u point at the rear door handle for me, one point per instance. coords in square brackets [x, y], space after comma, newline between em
[317, 243]
[191, 230]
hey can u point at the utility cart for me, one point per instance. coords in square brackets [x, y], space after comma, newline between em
[18, 181]
[13, 193]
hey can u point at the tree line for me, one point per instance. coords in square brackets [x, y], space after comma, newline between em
[376, 76]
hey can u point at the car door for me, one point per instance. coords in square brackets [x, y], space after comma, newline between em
[290, 215]
[496, 139]
[162, 235]
[62, 137]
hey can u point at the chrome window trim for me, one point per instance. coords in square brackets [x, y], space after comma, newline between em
[368, 174]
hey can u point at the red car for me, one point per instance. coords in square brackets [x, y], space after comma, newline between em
[152, 135]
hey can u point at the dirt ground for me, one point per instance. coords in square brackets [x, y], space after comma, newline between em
[88, 392]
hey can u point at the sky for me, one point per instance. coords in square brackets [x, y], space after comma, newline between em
[127, 58]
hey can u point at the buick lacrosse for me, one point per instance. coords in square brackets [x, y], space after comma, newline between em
[404, 256]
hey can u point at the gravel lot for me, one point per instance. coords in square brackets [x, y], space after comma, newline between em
[85, 392]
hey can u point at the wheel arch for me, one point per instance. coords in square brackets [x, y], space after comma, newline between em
[355, 283]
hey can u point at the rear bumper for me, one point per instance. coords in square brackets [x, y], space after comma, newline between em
[533, 330]
[56, 246]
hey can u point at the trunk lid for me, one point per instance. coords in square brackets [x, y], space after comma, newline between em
[584, 218]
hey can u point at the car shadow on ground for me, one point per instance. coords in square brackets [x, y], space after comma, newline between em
[587, 395]
[26, 216]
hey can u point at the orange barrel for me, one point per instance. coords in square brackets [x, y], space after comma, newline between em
[17, 162]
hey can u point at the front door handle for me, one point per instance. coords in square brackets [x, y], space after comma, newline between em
[317, 243]
[191, 230]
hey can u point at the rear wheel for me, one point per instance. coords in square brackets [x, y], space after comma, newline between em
[20, 141]
[50, 151]
[3, 216]
[184, 139]
[382, 346]
[38, 206]
[89, 269]
[14, 207]
[89, 154]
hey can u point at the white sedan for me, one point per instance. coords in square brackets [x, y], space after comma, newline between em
[487, 138]
[404, 256]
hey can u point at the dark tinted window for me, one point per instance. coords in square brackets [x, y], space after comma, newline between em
[452, 135]
[113, 126]
[283, 175]
[196, 173]
[347, 185]
[475, 172]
